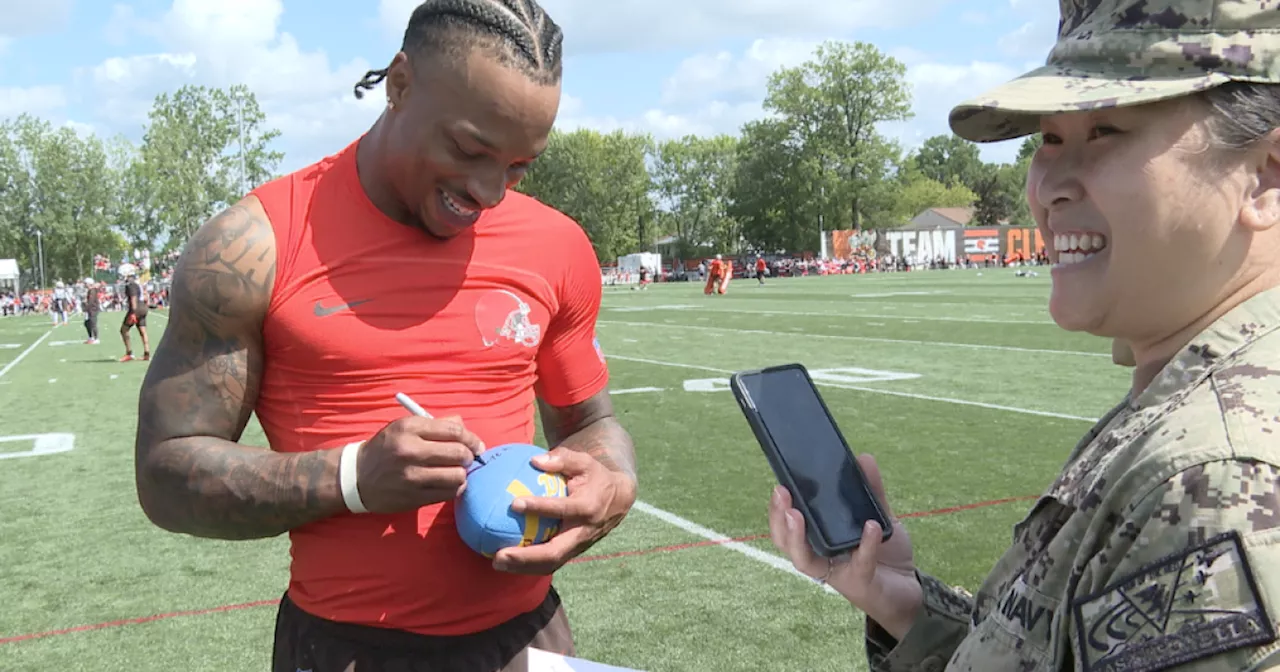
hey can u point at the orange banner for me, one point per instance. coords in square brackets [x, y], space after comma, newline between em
[840, 247]
[1024, 240]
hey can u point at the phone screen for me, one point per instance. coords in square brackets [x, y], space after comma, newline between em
[807, 441]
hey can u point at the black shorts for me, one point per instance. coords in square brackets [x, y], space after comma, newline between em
[307, 642]
[142, 321]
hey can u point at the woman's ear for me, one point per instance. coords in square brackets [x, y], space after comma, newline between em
[1261, 210]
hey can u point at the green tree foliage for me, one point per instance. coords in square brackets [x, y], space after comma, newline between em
[694, 181]
[950, 160]
[913, 191]
[832, 105]
[190, 165]
[601, 181]
[75, 196]
[775, 193]
[56, 199]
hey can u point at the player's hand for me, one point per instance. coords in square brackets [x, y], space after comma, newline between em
[878, 577]
[599, 498]
[414, 462]
[131, 319]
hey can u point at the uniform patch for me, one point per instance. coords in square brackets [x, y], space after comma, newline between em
[1026, 614]
[1196, 603]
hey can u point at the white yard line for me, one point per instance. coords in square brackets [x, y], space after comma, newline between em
[934, 318]
[752, 552]
[637, 390]
[871, 339]
[26, 352]
[872, 390]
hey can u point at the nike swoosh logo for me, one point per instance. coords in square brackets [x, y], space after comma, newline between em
[322, 311]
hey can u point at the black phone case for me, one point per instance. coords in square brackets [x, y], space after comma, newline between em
[820, 544]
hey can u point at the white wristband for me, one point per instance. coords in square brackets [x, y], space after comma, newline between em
[347, 477]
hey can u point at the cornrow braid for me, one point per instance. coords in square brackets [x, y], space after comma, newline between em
[370, 80]
[518, 32]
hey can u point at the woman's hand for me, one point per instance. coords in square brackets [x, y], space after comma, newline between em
[878, 577]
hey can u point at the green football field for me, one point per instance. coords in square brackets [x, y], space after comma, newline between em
[959, 383]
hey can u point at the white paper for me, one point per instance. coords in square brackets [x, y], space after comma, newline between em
[545, 661]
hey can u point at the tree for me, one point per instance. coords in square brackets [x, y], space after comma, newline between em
[56, 199]
[599, 180]
[694, 179]
[1000, 192]
[913, 191]
[774, 196]
[832, 105]
[1029, 147]
[1002, 187]
[17, 228]
[191, 159]
[74, 190]
[949, 160]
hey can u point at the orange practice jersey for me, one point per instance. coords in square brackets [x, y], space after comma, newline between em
[365, 307]
[717, 267]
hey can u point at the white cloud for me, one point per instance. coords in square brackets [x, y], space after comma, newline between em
[721, 75]
[620, 25]
[39, 101]
[710, 119]
[717, 92]
[226, 42]
[1031, 39]
[938, 87]
[709, 93]
[123, 88]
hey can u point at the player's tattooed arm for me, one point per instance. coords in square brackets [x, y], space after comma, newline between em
[591, 427]
[200, 390]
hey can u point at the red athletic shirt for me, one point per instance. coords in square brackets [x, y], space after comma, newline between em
[364, 307]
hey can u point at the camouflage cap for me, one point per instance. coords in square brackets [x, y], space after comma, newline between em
[1113, 53]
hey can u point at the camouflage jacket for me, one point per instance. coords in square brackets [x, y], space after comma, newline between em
[1157, 548]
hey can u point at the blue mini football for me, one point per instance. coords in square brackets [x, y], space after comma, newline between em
[483, 513]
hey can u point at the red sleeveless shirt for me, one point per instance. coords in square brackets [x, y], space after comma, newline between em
[364, 307]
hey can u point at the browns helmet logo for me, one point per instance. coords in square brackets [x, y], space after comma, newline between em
[503, 316]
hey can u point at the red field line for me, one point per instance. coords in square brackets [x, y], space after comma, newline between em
[137, 621]
[586, 558]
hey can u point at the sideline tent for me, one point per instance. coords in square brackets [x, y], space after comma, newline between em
[9, 275]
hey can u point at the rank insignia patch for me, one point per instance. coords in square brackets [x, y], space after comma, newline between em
[1196, 603]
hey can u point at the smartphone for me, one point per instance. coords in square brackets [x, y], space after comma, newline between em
[809, 456]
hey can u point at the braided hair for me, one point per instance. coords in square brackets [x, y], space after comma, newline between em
[518, 32]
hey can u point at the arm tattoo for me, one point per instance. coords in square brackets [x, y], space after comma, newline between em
[590, 427]
[199, 393]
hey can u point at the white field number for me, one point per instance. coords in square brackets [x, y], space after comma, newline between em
[841, 376]
[41, 444]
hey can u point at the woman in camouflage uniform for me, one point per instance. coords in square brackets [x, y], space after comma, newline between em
[1158, 187]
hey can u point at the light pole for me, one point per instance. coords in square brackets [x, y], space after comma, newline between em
[822, 234]
[40, 249]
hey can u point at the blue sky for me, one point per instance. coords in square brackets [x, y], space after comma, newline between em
[667, 67]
